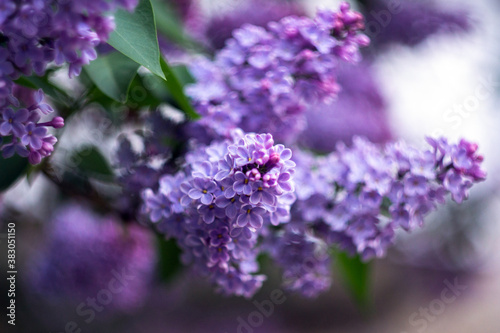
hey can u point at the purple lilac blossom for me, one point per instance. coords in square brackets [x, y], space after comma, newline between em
[34, 34]
[262, 80]
[357, 197]
[212, 215]
[85, 252]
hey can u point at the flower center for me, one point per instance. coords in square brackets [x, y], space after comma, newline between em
[204, 191]
[248, 211]
[246, 181]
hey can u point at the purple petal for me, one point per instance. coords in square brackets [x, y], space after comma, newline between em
[267, 198]
[206, 198]
[232, 211]
[286, 154]
[18, 129]
[255, 220]
[256, 197]
[21, 115]
[247, 189]
[243, 219]
[195, 194]
[5, 128]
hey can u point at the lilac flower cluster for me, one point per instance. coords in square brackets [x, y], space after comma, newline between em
[37, 32]
[357, 197]
[84, 252]
[27, 136]
[223, 198]
[33, 34]
[263, 79]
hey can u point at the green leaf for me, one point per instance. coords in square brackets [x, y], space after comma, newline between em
[135, 36]
[169, 25]
[139, 96]
[11, 169]
[113, 74]
[92, 163]
[175, 88]
[169, 258]
[356, 276]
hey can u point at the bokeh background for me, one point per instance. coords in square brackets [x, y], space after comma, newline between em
[433, 69]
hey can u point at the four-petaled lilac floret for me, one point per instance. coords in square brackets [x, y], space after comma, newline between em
[13, 122]
[33, 136]
[202, 190]
[251, 216]
[242, 184]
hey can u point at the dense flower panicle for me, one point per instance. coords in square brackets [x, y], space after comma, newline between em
[219, 203]
[33, 34]
[85, 252]
[263, 79]
[361, 195]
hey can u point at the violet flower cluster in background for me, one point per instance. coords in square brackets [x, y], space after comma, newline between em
[86, 252]
[33, 35]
